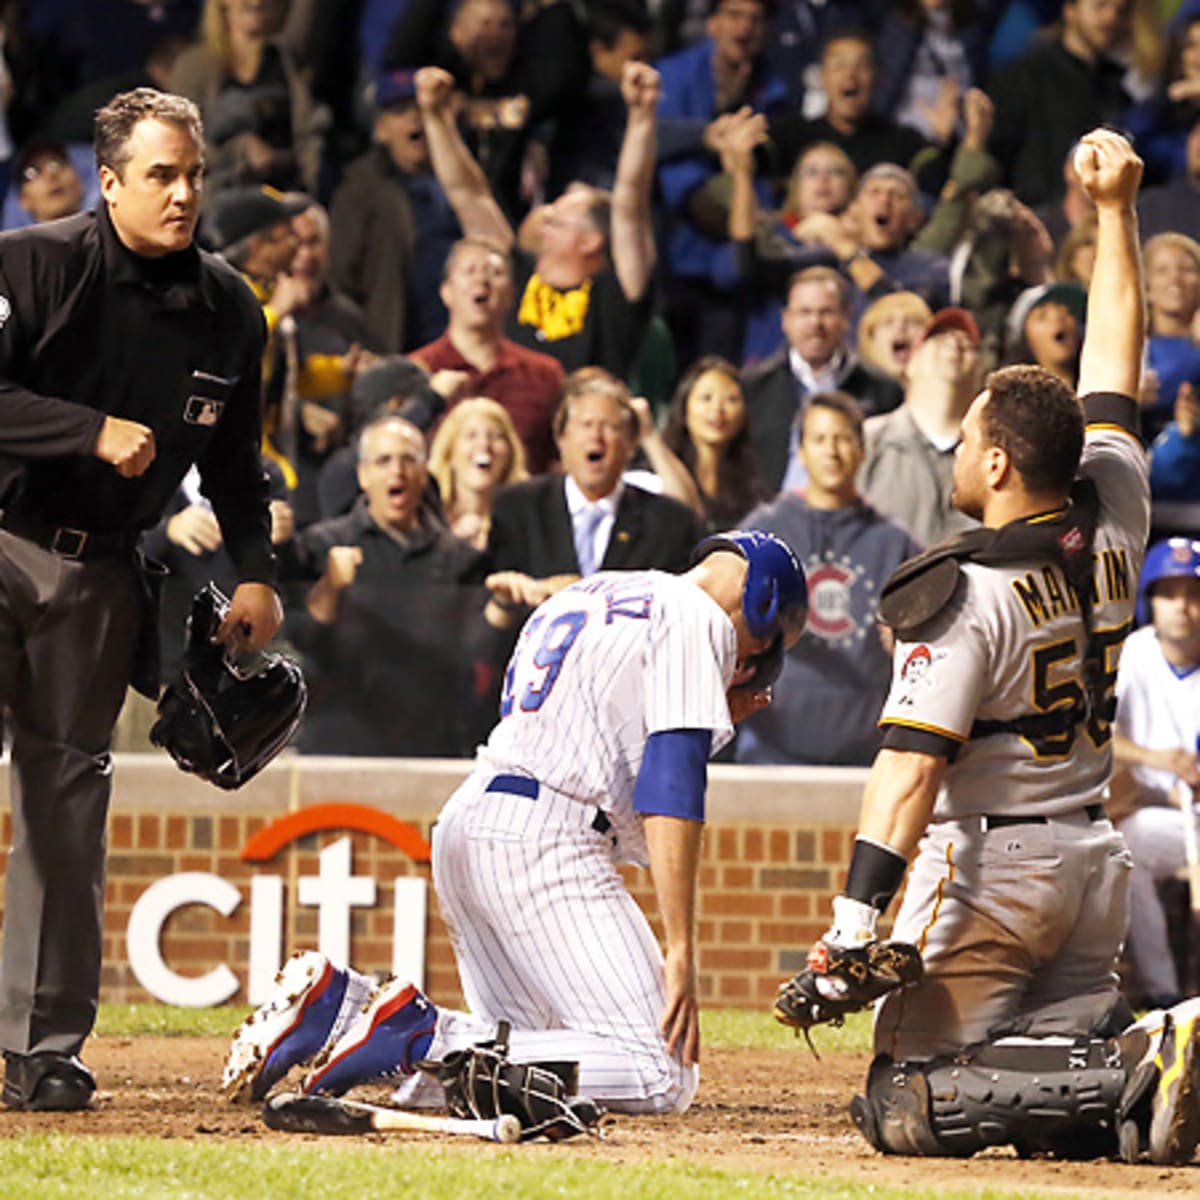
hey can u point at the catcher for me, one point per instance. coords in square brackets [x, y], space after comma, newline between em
[1000, 1019]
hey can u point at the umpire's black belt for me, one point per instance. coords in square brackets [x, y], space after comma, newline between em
[523, 785]
[1093, 812]
[68, 542]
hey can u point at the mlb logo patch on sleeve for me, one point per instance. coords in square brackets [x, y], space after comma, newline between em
[202, 410]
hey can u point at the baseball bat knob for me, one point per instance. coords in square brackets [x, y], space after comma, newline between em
[508, 1128]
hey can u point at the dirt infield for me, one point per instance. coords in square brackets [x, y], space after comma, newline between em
[758, 1111]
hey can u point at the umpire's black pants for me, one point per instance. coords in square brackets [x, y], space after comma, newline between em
[68, 629]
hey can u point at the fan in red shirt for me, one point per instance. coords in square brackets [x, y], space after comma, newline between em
[477, 289]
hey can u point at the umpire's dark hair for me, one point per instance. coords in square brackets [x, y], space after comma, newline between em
[1036, 420]
[116, 120]
[838, 402]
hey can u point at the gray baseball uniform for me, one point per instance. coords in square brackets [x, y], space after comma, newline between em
[1018, 895]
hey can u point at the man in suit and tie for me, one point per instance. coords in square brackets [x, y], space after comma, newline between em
[549, 531]
[817, 358]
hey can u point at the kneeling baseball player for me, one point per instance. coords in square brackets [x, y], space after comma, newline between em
[619, 689]
[1000, 1019]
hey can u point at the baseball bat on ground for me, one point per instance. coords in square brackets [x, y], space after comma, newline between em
[291, 1112]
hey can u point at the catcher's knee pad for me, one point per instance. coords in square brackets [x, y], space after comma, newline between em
[1038, 1094]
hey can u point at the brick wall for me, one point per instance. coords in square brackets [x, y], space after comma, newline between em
[774, 849]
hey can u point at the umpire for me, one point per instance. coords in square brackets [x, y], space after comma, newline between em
[126, 355]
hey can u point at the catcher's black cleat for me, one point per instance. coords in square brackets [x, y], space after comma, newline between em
[47, 1082]
[1175, 1107]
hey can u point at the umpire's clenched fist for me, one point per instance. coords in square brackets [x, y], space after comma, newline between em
[127, 445]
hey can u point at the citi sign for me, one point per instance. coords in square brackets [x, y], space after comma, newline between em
[334, 892]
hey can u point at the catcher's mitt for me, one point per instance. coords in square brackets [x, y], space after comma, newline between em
[483, 1084]
[844, 979]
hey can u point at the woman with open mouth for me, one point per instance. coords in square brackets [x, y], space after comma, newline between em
[475, 451]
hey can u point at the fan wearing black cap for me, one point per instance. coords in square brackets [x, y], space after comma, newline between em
[251, 228]
[126, 355]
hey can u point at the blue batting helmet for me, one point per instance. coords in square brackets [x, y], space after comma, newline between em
[1174, 556]
[774, 597]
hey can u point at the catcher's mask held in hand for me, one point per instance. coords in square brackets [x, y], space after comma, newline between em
[774, 597]
[225, 715]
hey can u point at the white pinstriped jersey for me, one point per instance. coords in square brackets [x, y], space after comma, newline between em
[600, 667]
[1010, 644]
[1155, 707]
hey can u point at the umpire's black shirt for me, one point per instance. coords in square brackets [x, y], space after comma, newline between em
[89, 329]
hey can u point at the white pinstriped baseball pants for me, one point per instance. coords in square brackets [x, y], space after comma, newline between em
[548, 938]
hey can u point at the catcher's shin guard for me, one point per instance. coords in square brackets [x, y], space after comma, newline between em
[1039, 1094]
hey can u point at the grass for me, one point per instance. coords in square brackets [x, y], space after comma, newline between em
[49, 1168]
[62, 1167]
[144, 1020]
[742, 1029]
[721, 1028]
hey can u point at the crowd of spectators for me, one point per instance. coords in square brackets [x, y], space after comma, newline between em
[554, 286]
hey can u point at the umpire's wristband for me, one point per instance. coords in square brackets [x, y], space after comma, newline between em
[875, 875]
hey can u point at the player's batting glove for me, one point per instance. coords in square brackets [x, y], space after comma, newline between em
[844, 979]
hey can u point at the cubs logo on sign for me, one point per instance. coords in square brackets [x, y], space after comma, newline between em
[841, 600]
[829, 614]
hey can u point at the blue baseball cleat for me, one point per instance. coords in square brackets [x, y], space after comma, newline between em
[391, 1034]
[294, 1026]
